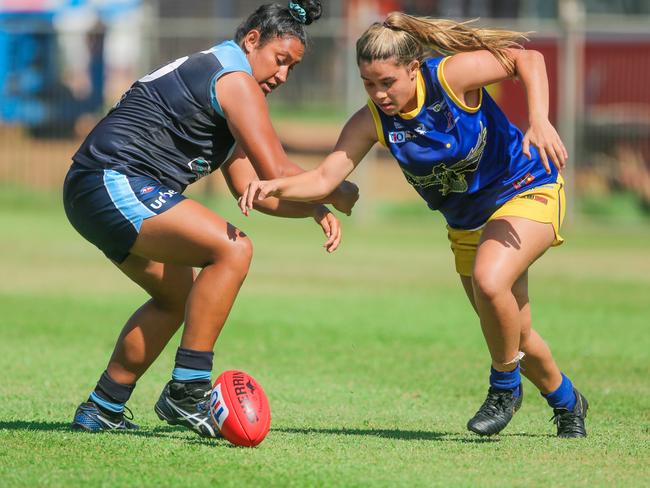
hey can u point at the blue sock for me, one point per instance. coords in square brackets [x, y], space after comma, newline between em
[111, 395]
[506, 380]
[192, 365]
[563, 397]
[188, 374]
[114, 407]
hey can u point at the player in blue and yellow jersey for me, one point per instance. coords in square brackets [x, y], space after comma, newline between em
[123, 193]
[499, 190]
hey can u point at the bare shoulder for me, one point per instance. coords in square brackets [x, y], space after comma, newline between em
[238, 89]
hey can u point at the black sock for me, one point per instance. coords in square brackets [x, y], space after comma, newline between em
[192, 365]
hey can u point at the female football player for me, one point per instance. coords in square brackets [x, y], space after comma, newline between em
[502, 200]
[123, 193]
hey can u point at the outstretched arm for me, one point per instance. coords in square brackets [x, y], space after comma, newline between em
[466, 73]
[257, 139]
[238, 172]
[356, 139]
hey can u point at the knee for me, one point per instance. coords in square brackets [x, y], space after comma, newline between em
[241, 253]
[237, 254]
[488, 285]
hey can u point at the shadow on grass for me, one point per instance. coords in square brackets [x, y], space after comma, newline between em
[407, 435]
[526, 434]
[166, 431]
[182, 434]
[35, 425]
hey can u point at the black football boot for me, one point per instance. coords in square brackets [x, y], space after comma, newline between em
[571, 423]
[495, 413]
[187, 404]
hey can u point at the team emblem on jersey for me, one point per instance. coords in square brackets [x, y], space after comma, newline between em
[200, 167]
[437, 106]
[420, 129]
[451, 179]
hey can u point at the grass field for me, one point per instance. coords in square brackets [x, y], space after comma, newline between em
[371, 358]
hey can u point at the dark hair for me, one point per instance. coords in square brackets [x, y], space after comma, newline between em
[273, 20]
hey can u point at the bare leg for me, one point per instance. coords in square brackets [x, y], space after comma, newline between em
[187, 235]
[538, 364]
[507, 248]
[152, 325]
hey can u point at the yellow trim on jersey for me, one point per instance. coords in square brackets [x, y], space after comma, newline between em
[421, 91]
[452, 95]
[378, 126]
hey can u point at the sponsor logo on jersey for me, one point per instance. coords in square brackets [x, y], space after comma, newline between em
[397, 137]
[147, 189]
[162, 199]
[218, 408]
[523, 181]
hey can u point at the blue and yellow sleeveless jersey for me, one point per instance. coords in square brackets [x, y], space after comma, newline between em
[464, 161]
[169, 125]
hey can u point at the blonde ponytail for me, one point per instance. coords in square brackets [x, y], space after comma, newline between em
[407, 37]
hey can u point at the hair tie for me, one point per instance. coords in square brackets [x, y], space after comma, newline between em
[297, 12]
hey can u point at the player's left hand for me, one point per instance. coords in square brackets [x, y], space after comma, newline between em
[256, 190]
[545, 138]
[330, 225]
[345, 196]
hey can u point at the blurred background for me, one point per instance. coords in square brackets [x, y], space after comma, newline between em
[63, 63]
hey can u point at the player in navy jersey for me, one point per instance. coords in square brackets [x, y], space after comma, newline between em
[124, 194]
[499, 190]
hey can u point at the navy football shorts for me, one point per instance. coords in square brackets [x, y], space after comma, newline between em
[107, 207]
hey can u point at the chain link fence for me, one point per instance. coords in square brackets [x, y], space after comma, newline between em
[62, 67]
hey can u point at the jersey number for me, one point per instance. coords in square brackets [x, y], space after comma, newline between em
[160, 72]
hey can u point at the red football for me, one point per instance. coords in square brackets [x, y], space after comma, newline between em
[240, 408]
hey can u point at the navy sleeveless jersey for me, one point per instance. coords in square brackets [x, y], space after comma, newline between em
[169, 125]
[464, 161]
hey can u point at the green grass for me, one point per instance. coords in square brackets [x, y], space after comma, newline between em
[371, 358]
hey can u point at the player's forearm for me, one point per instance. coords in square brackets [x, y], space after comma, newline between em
[287, 209]
[309, 186]
[531, 70]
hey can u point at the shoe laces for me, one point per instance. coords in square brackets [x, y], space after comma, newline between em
[567, 421]
[127, 417]
[496, 400]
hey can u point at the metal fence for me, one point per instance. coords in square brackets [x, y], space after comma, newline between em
[58, 74]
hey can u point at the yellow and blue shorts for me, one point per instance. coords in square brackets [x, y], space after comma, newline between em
[545, 203]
